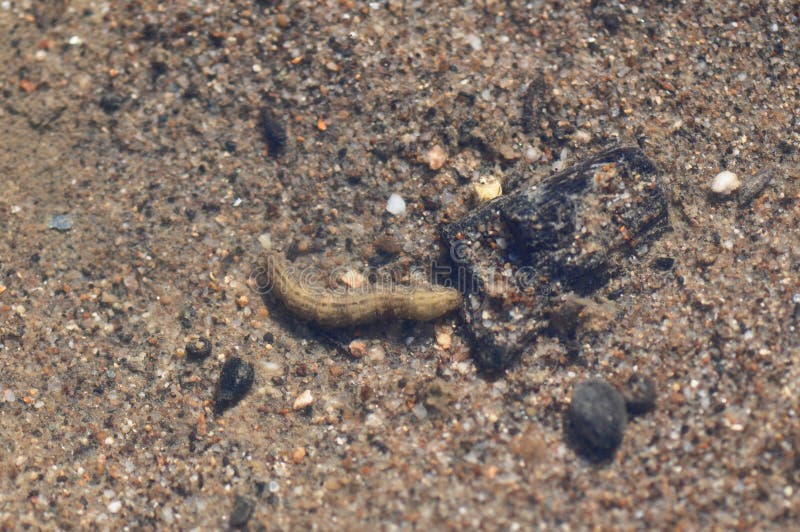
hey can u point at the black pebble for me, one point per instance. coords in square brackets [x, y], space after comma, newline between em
[664, 263]
[110, 103]
[598, 415]
[229, 146]
[273, 131]
[235, 380]
[199, 349]
[640, 395]
[242, 510]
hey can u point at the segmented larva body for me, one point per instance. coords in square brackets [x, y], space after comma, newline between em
[346, 308]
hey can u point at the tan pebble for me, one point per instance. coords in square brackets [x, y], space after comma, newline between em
[444, 337]
[2, 288]
[130, 282]
[581, 137]
[488, 191]
[108, 298]
[358, 348]
[282, 20]
[508, 152]
[436, 157]
[353, 279]
[298, 454]
[303, 400]
[376, 353]
[242, 301]
[201, 426]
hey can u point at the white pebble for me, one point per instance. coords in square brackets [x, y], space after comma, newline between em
[303, 400]
[474, 41]
[724, 183]
[532, 154]
[114, 506]
[396, 205]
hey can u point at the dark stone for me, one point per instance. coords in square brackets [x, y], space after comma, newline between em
[242, 510]
[110, 103]
[273, 131]
[198, 350]
[235, 380]
[664, 264]
[533, 100]
[754, 186]
[568, 234]
[640, 395]
[598, 417]
[157, 69]
[612, 23]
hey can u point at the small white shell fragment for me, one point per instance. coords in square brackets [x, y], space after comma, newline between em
[725, 182]
[396, 205]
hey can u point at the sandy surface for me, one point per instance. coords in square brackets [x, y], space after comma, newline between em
[141, 121]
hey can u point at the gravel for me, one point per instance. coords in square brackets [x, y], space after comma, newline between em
[127, 129]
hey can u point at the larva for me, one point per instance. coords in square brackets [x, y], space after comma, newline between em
[345, 308]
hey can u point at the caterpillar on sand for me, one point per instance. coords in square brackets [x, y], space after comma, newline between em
[347, 308]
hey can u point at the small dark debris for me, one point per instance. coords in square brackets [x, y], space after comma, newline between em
[110, 103]
[242, 510]
[640, 395]
[754, 187]
[664, 264]
[157, 69]
[229, 146]
[273, 131]
[198, 350]
[235, 380]
[598, 416]
[785, 148]
[192, 92]
[533, 101]
[612, 22]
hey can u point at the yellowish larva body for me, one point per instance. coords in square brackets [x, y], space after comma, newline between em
[340, 308]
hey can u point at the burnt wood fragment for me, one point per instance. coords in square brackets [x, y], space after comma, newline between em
[569, 234]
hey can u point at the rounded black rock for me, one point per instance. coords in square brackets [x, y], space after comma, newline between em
[639, 394]
[235, 380]
[598, 415]
[199, 349]
[242, 510]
